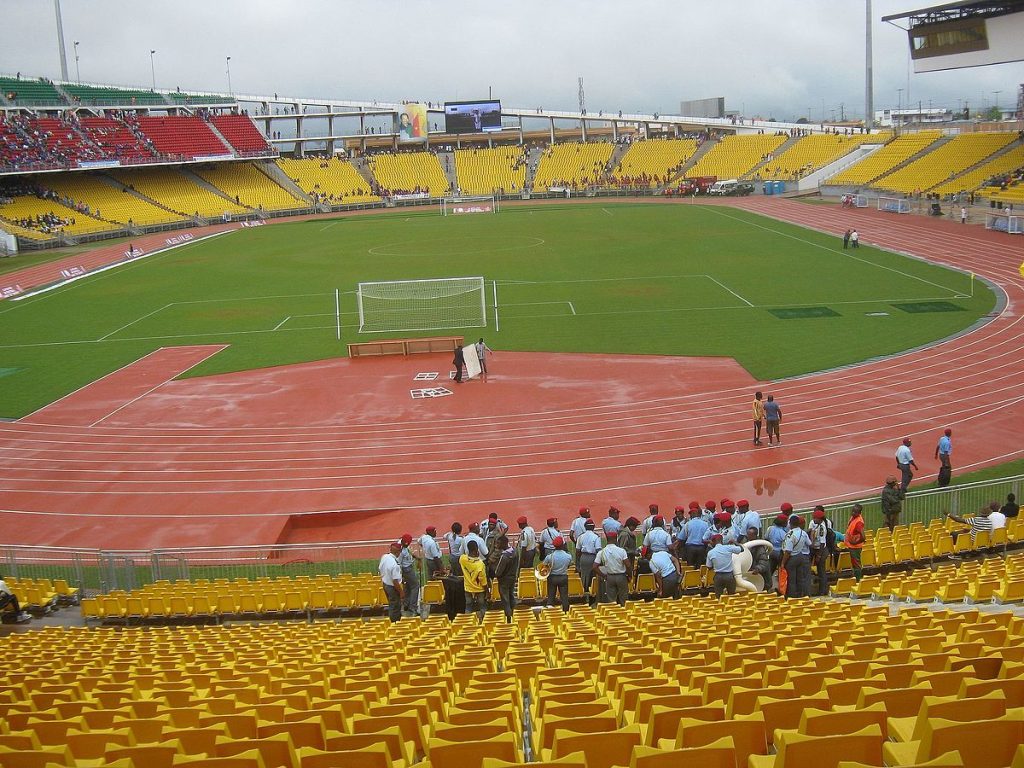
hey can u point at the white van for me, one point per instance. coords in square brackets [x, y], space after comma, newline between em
[723, 187]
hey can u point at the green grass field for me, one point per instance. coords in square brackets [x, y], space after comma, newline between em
[652, 279]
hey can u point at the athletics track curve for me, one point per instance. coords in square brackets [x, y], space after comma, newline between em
[239, 458]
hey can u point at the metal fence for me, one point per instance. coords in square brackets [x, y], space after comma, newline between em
[99, 571]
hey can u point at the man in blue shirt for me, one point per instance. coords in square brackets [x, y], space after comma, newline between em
[750, 519]
[410, 576]
[942, 453]
[719, 560]
[474, 535]
[431, 552]
[611, 525]
[547, 536]
[666, 572]
[558, 563]
[587, 547]
[796, 558]
[692, 538]
[772, 420]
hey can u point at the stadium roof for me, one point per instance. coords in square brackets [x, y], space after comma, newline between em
[962, 10]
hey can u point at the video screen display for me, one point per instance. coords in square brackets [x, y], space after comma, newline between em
[472, 116]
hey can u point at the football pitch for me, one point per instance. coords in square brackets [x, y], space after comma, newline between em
[620, 278]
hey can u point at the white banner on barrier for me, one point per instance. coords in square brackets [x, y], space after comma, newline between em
[472, 361]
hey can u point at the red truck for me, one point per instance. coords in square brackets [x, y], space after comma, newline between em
[698, 185]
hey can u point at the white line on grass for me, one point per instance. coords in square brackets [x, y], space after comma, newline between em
[329, 225]
[136, 320]
[730, 290]
[607, 211]
[833, 250]
[282, 322]
[571, 308]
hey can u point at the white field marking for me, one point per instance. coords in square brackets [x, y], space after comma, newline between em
[220, 348]
[255, 298]
[834, 250]
[136, 320]
[571, 308]
[108, 267]
[597, 279]
[740, 470]
[330, 225]
[730, 290]
[276, 327]
[607, 211]
[101, 378]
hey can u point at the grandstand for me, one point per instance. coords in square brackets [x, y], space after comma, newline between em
[241, 134]
[249, 186]
[973, 179]
[736, 155]
[812, 152]
[485, 171]
[184, 137]
[116, 203]
[572, 165]
[651, 162]
[332, 179]
[175, 191]
[893, 154]
[74, 222]
[101, 96]
[944, 162]
[409, 173]
[29, 92]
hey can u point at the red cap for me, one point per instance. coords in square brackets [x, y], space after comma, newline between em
[742, 503]
[584, 509]
[723, 517]
[727, 503]
[658, 520]
[552, 521]
[781, 518]
[694, 505]
[819, 514]
[680, 509]
[492, 516]
[632, 521]
[431, 530]
[716, 537]
[558, 541]
[521, 520]
[475, 527]
[786, 507]
[948, 433]
[709, 504]
[407, 538]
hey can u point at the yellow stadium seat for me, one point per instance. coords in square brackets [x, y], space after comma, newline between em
[248, 759]
[471, 754]
[36, 758]
[603, 749]
[981, 743]
[717, 754]
[747, 732]
[371, 756]
[797, 750]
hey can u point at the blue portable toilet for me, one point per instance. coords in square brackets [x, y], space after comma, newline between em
[768, 187]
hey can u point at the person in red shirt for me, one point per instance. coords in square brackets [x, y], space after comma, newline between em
[854, 539]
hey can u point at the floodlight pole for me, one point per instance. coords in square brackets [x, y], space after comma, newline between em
[152, 68]
[228, 60]
[60, 42]
[78, 72]
[869, 107]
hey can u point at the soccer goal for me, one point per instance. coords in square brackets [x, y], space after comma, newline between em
[860, 201]
[456, 206]
[422, 305]
[1002, 222]
[894, 204]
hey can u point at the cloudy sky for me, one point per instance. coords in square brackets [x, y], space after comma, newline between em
[785, 58]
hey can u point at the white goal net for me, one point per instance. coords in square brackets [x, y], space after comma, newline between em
[422, 305]
[894, 204]
[456, 206]
[1002, 222]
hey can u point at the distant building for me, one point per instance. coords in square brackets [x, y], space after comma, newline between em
[896, 118]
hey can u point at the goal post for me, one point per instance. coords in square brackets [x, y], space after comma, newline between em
[422, 305]
[894, 204]
[463, 204]
[1002, 222]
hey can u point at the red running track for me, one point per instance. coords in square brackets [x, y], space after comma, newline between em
[234, 459]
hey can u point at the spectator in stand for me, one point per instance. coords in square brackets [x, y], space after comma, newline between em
[507, 573]
[719, 560]
[611, 525]
[475, 579]
[1010, 509]
[996, 515]
[981, 521]
[527, 544]
[391, 579]
[796, 558]
[854, 540]
[667, 572]
[892, 502]
[431, 553]
[627, 540]
[456, 545]
[557, 565]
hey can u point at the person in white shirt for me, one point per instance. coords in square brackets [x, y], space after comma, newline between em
[474, 535]
[667, 571]
[7, 597]
[905, 460]
[431, 552]
[391, 579]
[996, 516]
[587, 546]
[645, 526]
[611, 525]
[527, 544]
[611, 564]
[482, 351]
[456, 548]
[658, 539]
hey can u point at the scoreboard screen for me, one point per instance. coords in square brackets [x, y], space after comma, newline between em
[472, 116]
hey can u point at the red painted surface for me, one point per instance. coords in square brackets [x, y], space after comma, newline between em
[233, 458]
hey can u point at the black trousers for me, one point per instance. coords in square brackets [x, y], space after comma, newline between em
[559, 585]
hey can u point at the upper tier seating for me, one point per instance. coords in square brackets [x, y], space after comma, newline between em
[100, 96]
[408, 172]
[973, 179]
[332, 179]
[813, 152]
[115, 204]
[651, 162]
[484, 171]
[733, 156]
[956, 155]
[177, 192]
[250, 186]
[116, 140]
[187, 137]
[572, 164]
[195, 98]
[897, 151]
[242, 133]
[29, 92]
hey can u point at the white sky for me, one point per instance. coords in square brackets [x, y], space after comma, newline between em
[780, 59]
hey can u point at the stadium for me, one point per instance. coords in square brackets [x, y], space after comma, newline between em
[235, 428]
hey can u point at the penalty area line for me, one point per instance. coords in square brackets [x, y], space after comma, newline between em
[282, 322]
[730, 290]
